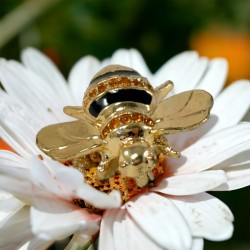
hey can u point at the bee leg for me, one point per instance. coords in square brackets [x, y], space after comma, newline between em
[167, 150]
[172, 152]
[107, 168]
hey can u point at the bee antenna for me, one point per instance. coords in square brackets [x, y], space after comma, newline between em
[163, 90]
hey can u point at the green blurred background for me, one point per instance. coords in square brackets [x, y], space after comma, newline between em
[66, 30]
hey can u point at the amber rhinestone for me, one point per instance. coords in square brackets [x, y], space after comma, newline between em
[115, 82]
[92, 93]
[105, 131]
[126, 82]
[148, 121]
[85, 103]
[102, 87]
[126, 118]
[114, 123]
[137, 117]
[137, 82]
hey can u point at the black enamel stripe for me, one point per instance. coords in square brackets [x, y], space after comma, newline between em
[122, 95]
[113, 73]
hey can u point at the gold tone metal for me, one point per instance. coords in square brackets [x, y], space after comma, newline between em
[127, 138]
[126, 118]
[183, 112]
[69, 140]
[162, 90]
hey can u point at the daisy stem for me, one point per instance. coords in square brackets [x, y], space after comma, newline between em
[80, 242]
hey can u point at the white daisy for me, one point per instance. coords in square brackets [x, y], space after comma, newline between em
[176, 214]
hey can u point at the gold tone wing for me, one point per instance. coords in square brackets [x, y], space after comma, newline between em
[183, 112]
[65, 141]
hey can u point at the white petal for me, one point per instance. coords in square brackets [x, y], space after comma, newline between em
[17, 128]
[207, 216]
[157, 217]
[19, 188]
[106, 239]
[193, 74]
[10, 107]
[25, 246]
[43, 66]
[9, 205]
[177, 68]
[13, 143]
[131, 58]
[68, 178]
[10, 158]
[191, 183]
[197, 244]
[18, 132]
[68, 183]
[18, 83]
[16, 231]
[14, 166]
[54, 177]
[183, 140]
[135, 238]
[72, 184]
[50, 203]
[215, 76]
[231, 105]
[99, 199]
[49, 226]
[237, 169]
[80, 76]
[43, 177]
[15, 171]
[39, 244]
[119, 231]
[119, 235]
[238, 177]
[213, 149]
[8, 202]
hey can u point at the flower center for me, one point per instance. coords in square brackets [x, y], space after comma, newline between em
[112, 180]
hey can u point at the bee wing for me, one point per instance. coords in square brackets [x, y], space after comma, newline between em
[183, 112]
[65, 141]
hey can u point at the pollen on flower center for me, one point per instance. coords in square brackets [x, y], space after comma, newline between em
[126, 185]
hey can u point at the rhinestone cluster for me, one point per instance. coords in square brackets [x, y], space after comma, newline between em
[115, 83]
[124, 119]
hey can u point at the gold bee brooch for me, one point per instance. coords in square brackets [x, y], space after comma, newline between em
[118, 139]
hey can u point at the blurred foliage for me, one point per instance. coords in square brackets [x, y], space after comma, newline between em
[159, 29]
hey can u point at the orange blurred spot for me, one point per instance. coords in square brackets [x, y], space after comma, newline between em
[5, 146]
[53, 55]
[220, 42]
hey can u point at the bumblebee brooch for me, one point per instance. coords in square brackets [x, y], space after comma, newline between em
[119, 138]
